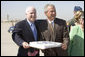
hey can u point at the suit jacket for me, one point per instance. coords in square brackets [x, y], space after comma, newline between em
[22, 32]
[60, 34]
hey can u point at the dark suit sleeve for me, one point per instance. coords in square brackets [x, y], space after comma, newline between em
[65, 34]
[17, 35]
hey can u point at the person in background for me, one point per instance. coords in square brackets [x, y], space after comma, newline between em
[76, 46]
[72, 21]
[54, 29]
[24, 32]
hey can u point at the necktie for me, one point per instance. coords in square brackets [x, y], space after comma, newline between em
[34, 31]
[52, 26]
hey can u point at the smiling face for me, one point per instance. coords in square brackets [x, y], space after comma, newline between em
[31, 14]
[51, 13]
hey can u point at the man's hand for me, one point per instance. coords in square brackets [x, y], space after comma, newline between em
[25, 45]
[64, 46]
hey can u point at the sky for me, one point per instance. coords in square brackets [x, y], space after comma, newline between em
[16, 9]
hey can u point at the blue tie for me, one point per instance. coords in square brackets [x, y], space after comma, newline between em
[34, 31]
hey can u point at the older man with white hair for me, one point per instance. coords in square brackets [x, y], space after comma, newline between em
[24, 32]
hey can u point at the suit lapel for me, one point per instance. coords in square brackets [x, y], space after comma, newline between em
[51, 34]
[48, 34]
[55, 28]
[29, 28]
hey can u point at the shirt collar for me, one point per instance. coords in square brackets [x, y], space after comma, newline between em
[50, 21]
[30, 23]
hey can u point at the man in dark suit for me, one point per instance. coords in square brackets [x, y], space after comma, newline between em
[26, 31]
[54, 29]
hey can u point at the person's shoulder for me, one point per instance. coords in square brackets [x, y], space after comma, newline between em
[72, 21]
[41, 21]
[20, 22]
[61, 20]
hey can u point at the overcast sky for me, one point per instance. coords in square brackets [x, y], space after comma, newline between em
[16, 9]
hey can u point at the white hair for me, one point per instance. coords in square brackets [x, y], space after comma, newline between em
[28, 9]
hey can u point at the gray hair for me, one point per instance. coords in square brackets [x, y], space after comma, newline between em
[46, 7]
[28, 9]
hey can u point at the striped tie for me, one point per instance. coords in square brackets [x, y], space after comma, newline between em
[51, 25]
